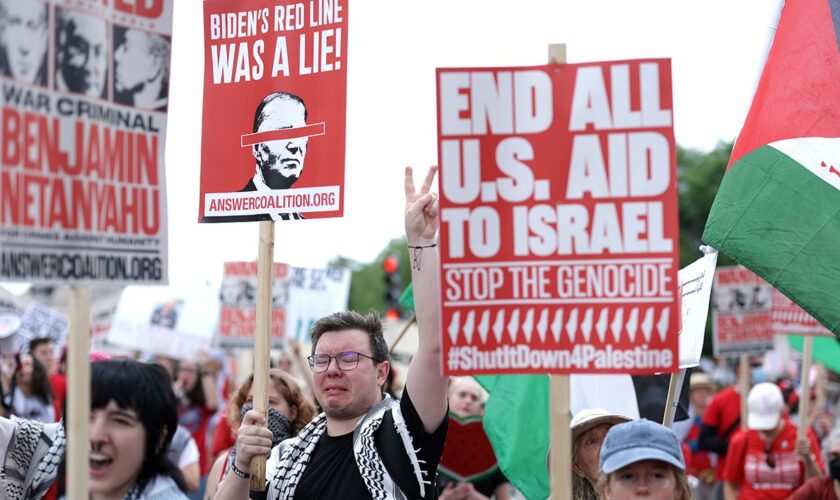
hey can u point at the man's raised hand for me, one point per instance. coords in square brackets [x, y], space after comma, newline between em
[421, 209]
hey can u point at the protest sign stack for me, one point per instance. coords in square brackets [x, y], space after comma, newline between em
[85, 95]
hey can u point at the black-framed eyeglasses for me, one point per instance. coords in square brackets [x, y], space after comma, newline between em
[346, 361]
[770, 459]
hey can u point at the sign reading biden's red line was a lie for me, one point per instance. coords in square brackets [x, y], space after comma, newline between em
[275, 97]
[559, 233]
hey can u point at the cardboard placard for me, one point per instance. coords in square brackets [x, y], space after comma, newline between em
[170, 321]
[274, 110]
[741, 317]
[84, 93]
[559, 232]
[238, 313]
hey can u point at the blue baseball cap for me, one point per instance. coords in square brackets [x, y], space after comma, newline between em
[639, 440]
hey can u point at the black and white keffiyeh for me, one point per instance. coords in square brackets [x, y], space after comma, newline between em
[289, 460]
[278, 424]
[32, 452]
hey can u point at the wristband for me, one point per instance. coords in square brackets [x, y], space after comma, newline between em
[417, 254]
[238, 472]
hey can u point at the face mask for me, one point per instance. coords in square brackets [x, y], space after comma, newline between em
[278, 424]
[834, 469]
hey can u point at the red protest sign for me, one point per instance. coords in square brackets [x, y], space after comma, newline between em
[742, 312]
[275, 97]
[238, 312]
[558, 218]
[789, 318]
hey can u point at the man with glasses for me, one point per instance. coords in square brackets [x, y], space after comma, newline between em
[364, 445]
[766, 461]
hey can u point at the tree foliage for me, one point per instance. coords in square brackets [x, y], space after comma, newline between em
[699, 175]
[367, 286]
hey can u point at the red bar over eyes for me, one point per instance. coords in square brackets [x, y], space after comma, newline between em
[284, 134]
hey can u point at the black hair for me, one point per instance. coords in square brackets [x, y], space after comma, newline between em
[259, 116]
[34, 343]
[147, 390]
[195, 396]
[40, 384]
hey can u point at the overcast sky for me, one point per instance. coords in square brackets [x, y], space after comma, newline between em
[716, 48]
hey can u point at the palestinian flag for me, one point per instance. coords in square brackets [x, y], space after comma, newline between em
[778, 208]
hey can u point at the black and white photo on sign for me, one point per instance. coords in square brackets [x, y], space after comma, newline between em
[23, 40]
[141, 68]
[278, 162]
[81, 53]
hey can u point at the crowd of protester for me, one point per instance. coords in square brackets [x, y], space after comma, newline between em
[716, 456]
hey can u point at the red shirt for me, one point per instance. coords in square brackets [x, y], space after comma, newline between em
[58, 384]
[223, 436]
[722, 413]
[746, 464]
[195, 419]
[816, 488]
[699, 460]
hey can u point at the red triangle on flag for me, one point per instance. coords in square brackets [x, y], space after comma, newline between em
[799, 91]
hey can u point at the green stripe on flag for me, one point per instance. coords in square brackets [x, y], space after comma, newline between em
[516, 423]
[783, 222]
[407, 298]
[826, 350]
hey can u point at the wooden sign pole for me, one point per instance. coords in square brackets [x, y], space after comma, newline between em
[402, 333]
[674, 392]
[805, 387]
[744, 386]
[262, 339]
[78, 393]
[561, 435]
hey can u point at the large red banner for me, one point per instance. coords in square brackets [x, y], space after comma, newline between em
[559, 231]
[275, 96]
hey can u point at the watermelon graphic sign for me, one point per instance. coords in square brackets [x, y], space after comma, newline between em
[558, 213]
[776, 209]
[468, 456]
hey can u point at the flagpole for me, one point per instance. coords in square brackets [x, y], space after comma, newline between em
[402, 333]
[674, 391]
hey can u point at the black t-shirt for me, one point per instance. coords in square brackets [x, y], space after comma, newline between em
[332, 470]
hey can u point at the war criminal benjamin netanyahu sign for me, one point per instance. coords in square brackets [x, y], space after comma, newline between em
[559, 233]
[85, 90]
[275, 96]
